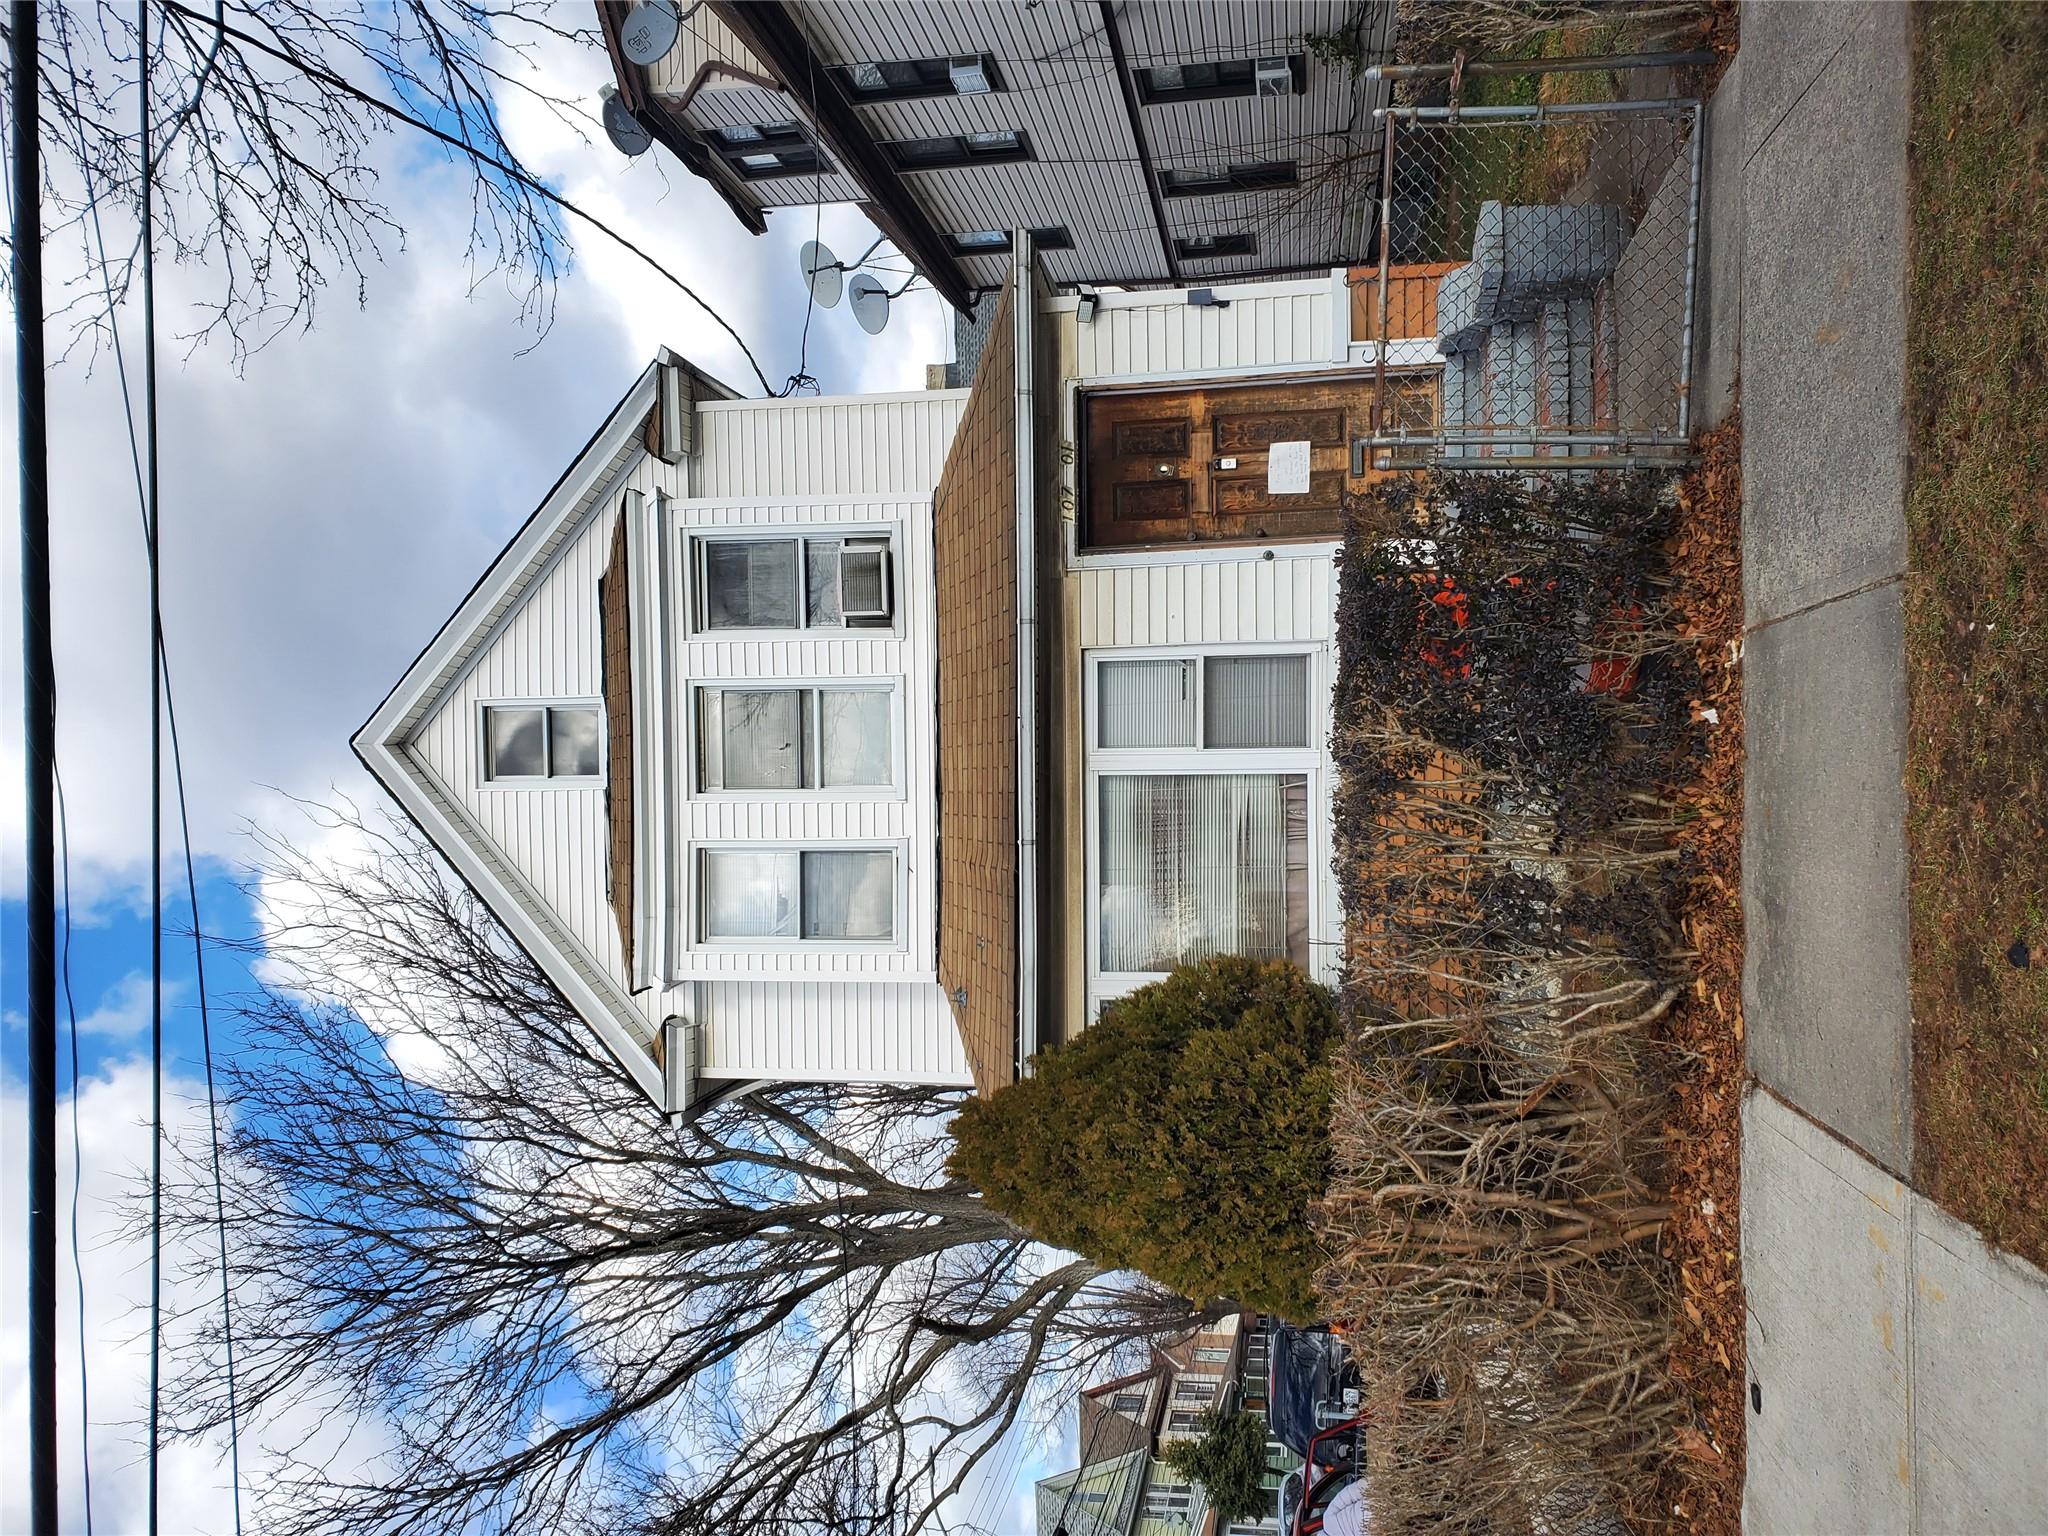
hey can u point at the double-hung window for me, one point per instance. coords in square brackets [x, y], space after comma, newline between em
[1200, 770]
[795, 581]
[807, 738]
[797, 895]
[542, 744]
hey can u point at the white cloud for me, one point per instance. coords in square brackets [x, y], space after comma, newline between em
[325, 512]
[124, 1008]
[195, 1486]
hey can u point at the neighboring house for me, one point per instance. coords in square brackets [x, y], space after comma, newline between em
[1124, 1486]
[1196, 141]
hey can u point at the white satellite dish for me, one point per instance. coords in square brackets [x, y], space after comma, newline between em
[869, 301]
[649, 31]
[823, 274]
[623, 128]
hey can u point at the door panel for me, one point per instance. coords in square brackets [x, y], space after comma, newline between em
[1173, 467]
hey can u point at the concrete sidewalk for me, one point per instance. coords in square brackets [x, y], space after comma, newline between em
[1899, 1368]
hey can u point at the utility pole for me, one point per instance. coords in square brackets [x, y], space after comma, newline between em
[39, 756]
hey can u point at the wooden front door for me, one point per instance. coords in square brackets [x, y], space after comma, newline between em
[1190, 466]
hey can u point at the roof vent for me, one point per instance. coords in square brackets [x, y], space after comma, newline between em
[864, 580]
[1275, 77]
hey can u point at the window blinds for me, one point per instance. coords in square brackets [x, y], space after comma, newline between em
[1201, 864]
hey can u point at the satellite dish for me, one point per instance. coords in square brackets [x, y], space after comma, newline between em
[870, 303]
[823, 274]
[623, 128]
[649, 32]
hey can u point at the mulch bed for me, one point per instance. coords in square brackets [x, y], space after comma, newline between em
[1702, 1239]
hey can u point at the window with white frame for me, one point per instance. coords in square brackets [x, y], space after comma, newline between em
[795, 581]
[810, 738]
[1163, 1500]
[1213, 1354]
[792, 895]
[542, 743]
[1201, 844]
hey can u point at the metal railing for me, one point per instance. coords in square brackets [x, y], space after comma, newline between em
[1551, 254]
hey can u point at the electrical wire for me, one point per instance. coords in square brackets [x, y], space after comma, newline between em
[77, 1149]
[150, 505]
[161, 672]
[532, 184]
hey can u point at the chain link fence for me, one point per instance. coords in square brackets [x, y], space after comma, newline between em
[1546, 257]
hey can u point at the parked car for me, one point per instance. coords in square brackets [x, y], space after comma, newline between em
[1310, 1383]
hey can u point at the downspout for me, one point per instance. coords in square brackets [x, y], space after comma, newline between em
[1023, 317]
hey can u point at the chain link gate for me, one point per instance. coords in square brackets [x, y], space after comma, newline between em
[1545, 258]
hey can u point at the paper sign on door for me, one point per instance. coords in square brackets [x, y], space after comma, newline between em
[1287, 469]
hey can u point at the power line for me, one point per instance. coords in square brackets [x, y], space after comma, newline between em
[150, 509]
[538, 188]
[161, 672]
[77, 1153]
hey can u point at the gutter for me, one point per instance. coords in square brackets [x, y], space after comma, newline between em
[658, 123]
[1023, 318]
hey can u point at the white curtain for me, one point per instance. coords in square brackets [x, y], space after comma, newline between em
[750, 895]
[849, 895]
[1200, 864]
[1255, 701]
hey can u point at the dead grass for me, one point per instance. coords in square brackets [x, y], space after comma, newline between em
[1703, 1489]
[1977, 615]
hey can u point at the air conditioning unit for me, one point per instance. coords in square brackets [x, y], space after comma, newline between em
[969, 75]
[864, 581]
[1275, 77]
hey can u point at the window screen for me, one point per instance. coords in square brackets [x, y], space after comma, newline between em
[516, 743]
[795, 738]
[534, 741]
[750, 584]
[787, 893]
[1255, 701]
[1146, 703]
[849, 895]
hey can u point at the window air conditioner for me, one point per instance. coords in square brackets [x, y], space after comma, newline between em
[864, 580]
[968, 74]
[1275, 77]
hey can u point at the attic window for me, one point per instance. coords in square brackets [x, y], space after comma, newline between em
[1209, 182]
[972, 74]
[1280, 75]
[954, 150]
[1202, 247]
[542, 743]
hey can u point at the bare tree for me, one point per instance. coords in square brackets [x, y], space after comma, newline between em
[263, 138]
[781, 1315]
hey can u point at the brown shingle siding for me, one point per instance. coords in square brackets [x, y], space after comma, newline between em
[974, 516]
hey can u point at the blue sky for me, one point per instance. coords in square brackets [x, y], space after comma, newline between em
[324, 510]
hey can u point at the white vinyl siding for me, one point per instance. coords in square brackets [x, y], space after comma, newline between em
[825, 1010]
[1287, 325]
